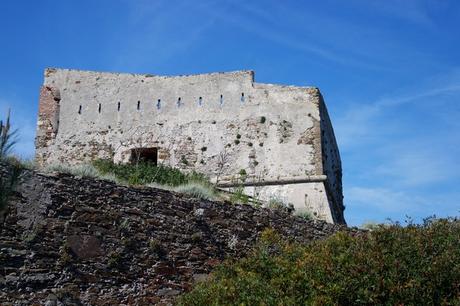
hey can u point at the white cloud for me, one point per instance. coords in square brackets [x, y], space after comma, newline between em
[416, 164]
[159, 32]
[362, 123]
[378, 204]
[414, 11]
[284, 24]
[382, 199]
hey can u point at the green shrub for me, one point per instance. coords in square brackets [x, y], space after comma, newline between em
[372, 226]
[395, 265]
[147, 173]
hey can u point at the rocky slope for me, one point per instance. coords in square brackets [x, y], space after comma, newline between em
[76, 241]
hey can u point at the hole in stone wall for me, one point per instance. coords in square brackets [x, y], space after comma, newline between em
[138, 105]
[242, 97]
[99, 108]
[221, 99]
[200, 101]
[159, 104]
[118, 107]
[144, 155]
[178, 102]
[79, 110]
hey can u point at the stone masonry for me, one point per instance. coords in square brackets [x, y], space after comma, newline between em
[77, 241]
[277, 141]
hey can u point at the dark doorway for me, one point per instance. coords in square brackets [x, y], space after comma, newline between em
[144, 155]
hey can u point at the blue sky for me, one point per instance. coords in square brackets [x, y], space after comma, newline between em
[389, 71]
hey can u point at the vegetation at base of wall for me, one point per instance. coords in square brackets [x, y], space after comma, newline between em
[162, 177]
[85, 170]
[305, 215]
[238, 196]
[277, 203]
[197, 190]
[393, 265]
[147, 173]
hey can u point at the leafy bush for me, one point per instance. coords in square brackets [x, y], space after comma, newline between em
[146, 173]
[394, 265]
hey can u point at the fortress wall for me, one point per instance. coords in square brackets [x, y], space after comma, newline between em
[306, 197]
[331, 164]
[271, 132]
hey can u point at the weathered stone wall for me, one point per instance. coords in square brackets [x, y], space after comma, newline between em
[332, 166]
[91, 242]
[217, 124]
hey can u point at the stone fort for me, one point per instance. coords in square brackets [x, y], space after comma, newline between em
[273, 140]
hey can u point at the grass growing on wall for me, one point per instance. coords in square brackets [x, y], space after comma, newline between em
[147, 173]
[392, 265]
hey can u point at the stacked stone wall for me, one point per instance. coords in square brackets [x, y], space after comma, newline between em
[91, 242]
